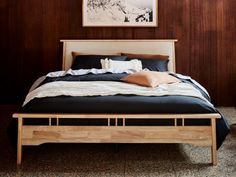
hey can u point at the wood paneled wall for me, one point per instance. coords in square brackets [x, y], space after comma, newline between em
[31, 30]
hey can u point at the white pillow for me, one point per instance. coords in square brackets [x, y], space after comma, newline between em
[135, 64]
[104, 63]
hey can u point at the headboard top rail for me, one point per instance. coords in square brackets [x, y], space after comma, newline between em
[115, 47]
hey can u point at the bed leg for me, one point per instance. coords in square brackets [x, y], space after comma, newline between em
[213, 147]
[19, 141]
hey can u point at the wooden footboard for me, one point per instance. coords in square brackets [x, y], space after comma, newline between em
[117, 133]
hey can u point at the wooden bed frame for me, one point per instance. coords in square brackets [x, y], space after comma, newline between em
[116, 133]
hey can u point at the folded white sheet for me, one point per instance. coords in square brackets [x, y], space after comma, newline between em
[88, 71]
[135, 65]
[109, 88]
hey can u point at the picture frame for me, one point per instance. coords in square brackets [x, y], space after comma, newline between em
[120, 13]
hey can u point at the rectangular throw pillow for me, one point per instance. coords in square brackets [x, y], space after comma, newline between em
[76, 53]
[135, 65]
[146, 56]
[150, 78]
[92, 61]
[150, 62]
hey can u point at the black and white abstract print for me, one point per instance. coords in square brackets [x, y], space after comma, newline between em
[120, 12]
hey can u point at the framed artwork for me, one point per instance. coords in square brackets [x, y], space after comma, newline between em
[120, 13]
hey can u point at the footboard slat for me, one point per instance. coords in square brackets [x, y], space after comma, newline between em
[198, 135]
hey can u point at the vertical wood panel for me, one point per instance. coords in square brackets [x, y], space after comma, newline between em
[3, 39]
[205, 29]
[227, 60]
[182, 26]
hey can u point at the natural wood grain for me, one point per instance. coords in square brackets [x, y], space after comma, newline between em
[36, 135]
[127, 116]
[205, 50]
[213, 147]
[19, 141]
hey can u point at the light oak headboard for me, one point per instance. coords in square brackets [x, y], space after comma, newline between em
[114, 47]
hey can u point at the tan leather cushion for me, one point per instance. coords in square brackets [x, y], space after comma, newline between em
[146, 56]
[74, 54]
[150, 78]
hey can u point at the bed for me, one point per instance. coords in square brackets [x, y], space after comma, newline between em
[119, 125]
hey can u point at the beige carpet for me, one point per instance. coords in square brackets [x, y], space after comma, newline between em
[100, 160]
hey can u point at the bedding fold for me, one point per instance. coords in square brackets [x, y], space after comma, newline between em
[110, 88]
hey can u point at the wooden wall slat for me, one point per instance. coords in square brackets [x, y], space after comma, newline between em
[4, 10]
[206, 49]
[227, 61]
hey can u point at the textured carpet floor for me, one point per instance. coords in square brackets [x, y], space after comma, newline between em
[99, 160]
